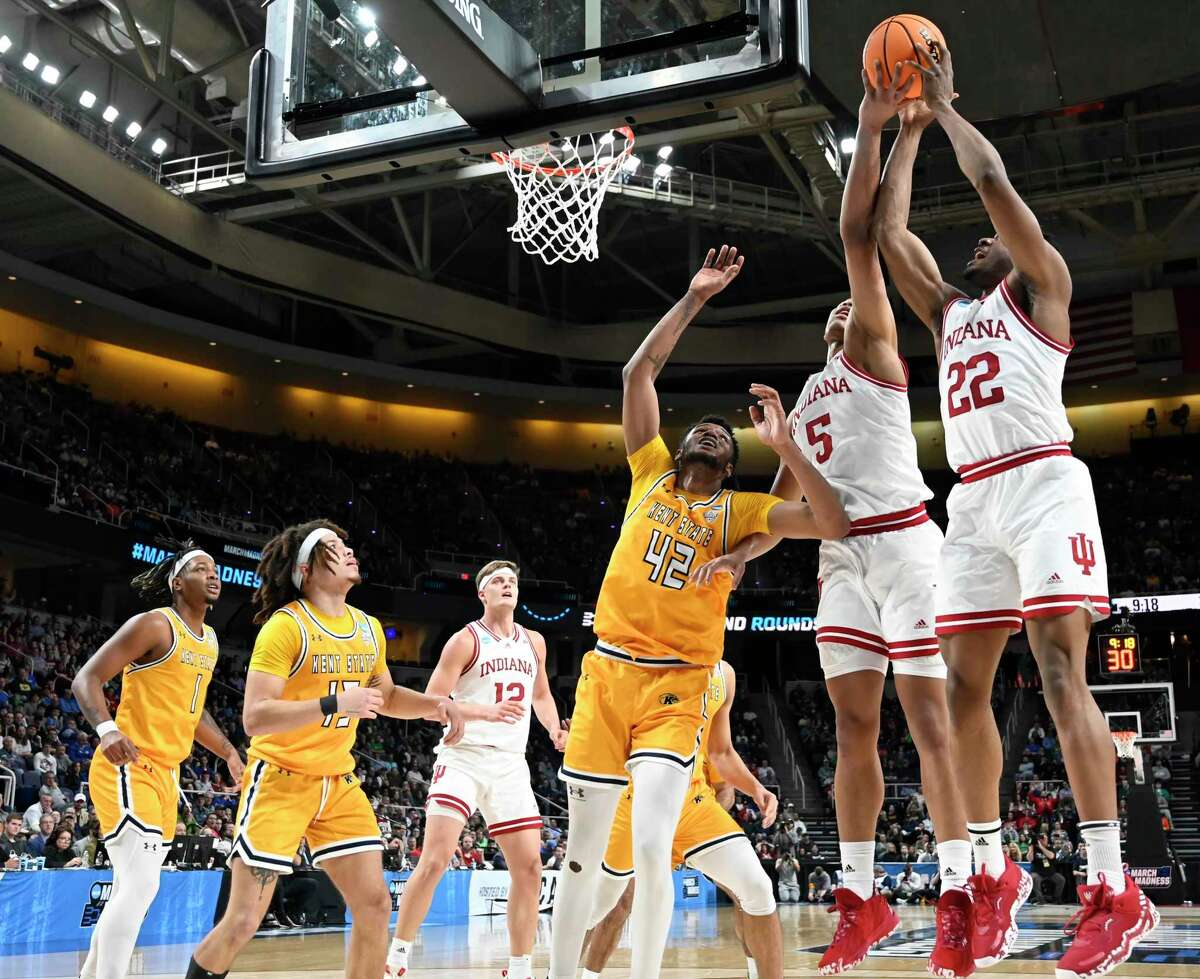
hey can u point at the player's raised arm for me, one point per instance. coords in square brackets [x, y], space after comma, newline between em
[729, 764]
[823, 515]
[909, 261]
[1036, 260]
[872, 310]
[639, 408]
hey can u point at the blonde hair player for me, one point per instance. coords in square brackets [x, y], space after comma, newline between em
[166, 658]
[318, 668]
[1023, 544]
[641, 703]
[495, 670]
[707, 839]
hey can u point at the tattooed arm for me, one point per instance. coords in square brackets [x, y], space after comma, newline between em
[639, 410]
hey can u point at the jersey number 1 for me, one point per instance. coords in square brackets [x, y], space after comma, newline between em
[666, 571]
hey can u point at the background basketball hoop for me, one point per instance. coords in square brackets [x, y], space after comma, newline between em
[560, 188]
[1127, 747]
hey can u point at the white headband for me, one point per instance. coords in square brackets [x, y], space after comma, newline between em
[488, 577]
[182, 563]
[305, 552]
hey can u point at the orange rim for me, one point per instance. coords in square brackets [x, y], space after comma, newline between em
[510, 161]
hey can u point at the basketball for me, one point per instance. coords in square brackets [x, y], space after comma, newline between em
[905, 37]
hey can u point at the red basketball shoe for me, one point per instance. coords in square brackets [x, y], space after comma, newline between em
[997, 902]
[862, 925]
[1105, 929]
[952, 957]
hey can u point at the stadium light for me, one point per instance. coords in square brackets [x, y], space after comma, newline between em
[632, 164]
[159, 146]
[847, 145]
[5, 43]
[110, 114]
[664, 152]
[133, 129]
[30, 61]
[365, 17]
[663, 171]
[87, 99]
[371, 38]
[419, 81]
[400, 66]
[50, 74]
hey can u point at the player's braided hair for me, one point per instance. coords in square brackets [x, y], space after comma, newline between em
[275, 568]
[152, 585]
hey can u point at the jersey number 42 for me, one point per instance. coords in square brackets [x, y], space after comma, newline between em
[670, 560]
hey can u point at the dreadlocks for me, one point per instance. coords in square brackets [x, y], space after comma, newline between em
[275, 568]
[153, 586]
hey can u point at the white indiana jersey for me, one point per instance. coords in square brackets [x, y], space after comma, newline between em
[857, 430]
[501, 668]
[1000, 380]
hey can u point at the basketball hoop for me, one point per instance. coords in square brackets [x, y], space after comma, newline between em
[560, 188]
[1127, 747]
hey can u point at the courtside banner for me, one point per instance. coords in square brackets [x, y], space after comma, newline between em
[489, 892]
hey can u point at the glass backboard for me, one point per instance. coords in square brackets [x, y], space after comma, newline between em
[333, 98]
[1147, 708]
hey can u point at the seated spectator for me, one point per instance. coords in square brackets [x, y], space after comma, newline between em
[60, 853]
[44, 759]
[13, 841]
[910, 886]
[9, 757]
[556, 858]
[43, 807]
[885, 883]
[1048, 883]
[820, 887]
[41, 839]
[787, 870]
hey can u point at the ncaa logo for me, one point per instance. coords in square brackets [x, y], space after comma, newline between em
[98, 896]
[395, 889]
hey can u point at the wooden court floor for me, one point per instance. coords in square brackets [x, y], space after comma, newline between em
[702, 946]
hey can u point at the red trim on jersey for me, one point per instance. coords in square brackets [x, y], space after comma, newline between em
[450, 802]
[858, 644]
[515, 825]
[1012, 625]
[883, 523]
[513, 638]
[1003, 618]
[1026, 322]
[946, 308]
[1045, 606]
[475, 654]
[866, 375]
[902, 648]
[853, 637]
[1013, 613]
[975, 471]
[915, 653]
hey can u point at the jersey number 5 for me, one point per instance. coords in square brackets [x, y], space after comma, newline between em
[822, 441]
[977, 398]
[665, 570]
[342, 719]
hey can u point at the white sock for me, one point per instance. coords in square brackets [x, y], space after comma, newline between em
[590, 811]
[989, 854]
[589, 974]
[751, 969]
[520, 966]
[954, 863]
[1103, 839]
[137, 864]
[858, 868]
[659, 788]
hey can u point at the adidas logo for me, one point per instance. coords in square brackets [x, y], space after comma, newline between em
[921, 624]
[948, 872]
[1054, 579]
[847, 869]
[981, 842]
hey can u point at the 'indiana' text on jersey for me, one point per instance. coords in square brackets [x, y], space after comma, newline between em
[647, 608]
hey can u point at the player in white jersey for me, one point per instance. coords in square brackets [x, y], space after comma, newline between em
[876, 612]
[1023, 543]
[495, 670]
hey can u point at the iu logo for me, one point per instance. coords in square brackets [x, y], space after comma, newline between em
[1083, 552]
[438, 772]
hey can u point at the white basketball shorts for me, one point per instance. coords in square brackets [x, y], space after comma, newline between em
[1022, 544]
[495, 782]
[877, 604]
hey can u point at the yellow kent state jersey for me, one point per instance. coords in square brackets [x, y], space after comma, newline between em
[646, 606]
[316, 656]
[162, 700]
[703, 772]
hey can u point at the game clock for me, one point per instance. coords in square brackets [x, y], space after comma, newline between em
[1120, 654]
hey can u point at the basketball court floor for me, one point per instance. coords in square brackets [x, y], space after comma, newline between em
[702, 946]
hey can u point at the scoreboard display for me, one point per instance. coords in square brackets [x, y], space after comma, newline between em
[1120, 654]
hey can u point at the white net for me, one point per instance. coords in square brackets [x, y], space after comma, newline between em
[560, 188]
[1127, 747]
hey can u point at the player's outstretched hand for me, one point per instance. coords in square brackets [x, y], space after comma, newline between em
[915, 114]
[360, 702]
[507, 711]
[719, 269]
[118, 748]
[937, 87]
[236, 766]
[768, 805]
[560, 736]
[730, 564]
[770, 421]
[449, 715]
[880, 101]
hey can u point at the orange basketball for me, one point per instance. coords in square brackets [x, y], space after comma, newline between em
[905, 37]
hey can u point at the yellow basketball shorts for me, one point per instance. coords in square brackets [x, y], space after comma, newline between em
[627, 711]
[142, 796]
[703, 824]
[279, 808]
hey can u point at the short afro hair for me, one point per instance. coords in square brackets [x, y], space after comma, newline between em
[723, 423]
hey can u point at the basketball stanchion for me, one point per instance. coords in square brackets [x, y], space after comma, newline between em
[560, 189]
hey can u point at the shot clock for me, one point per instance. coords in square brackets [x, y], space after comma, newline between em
[1120, 654]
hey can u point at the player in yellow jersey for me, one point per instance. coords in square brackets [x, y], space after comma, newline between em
[166, 658]
[319, 666]
[707, 839]
[641, 702]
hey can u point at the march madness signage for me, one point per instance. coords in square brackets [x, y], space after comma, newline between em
[98, 895]
[1151, 876]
